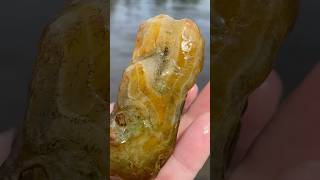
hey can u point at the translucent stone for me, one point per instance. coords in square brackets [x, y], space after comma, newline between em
[151, 96]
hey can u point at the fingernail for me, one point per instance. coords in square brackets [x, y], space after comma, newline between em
[194, 88]
[111, 107]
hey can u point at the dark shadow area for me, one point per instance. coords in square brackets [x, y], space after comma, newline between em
[22, 23]
[300, 51]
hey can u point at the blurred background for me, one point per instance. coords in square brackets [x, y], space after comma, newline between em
[22, 23]
[125, 18]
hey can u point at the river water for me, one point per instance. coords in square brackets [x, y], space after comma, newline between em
[126, 15]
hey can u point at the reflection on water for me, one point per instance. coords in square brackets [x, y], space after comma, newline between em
[126, 15]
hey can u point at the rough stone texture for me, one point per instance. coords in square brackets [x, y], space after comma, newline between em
[64, 133]
[246, 37]
[166, 61]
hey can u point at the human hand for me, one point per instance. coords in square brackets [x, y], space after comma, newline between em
[284, 141]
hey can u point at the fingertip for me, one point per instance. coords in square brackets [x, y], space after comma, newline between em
[272, 84]
[191, 96]
[111, 107]
[194, 88]
[201, 104]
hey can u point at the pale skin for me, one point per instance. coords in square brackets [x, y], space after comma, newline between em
[277, 141]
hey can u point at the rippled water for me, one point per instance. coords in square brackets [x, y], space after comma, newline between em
[126, 15]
